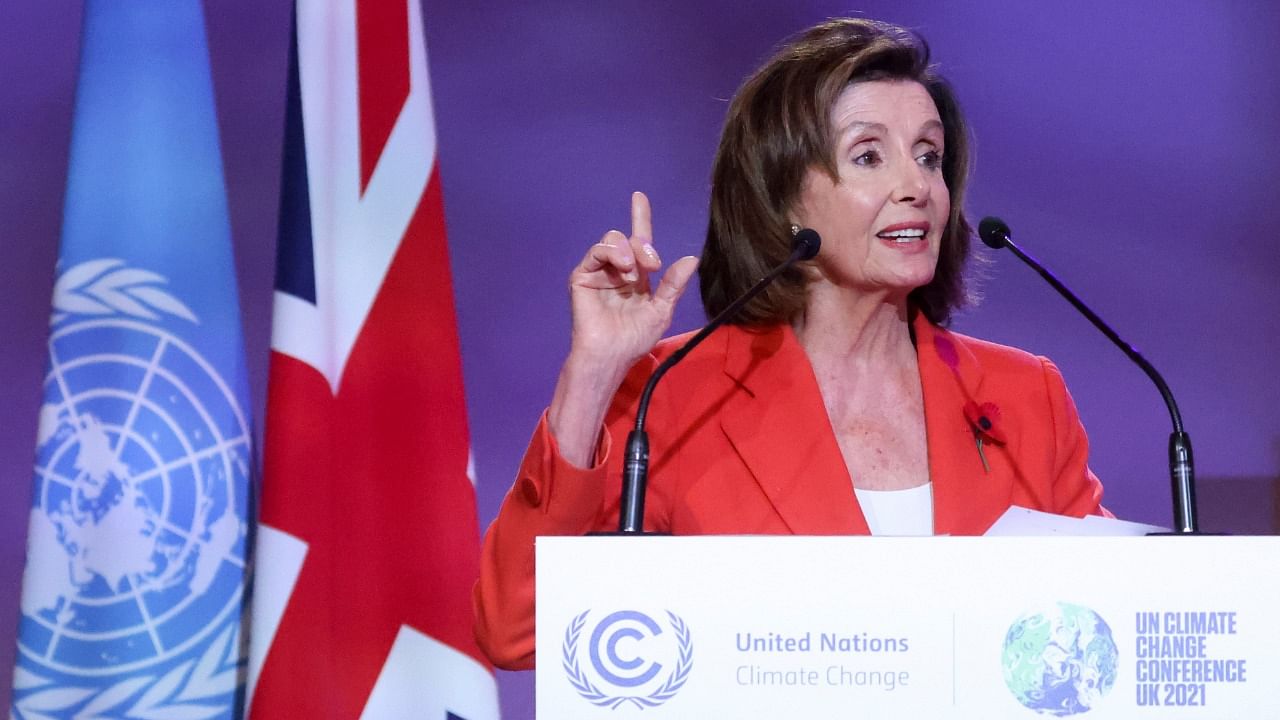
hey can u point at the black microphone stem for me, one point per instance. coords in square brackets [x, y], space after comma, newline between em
[1181, 463]
[635, 464]
[1128, 349]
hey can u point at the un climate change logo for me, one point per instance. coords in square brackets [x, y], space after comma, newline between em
[1060, 661]
[136, 550]
[632, 654]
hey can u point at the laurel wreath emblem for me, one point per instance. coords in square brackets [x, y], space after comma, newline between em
[593, 694]
[199, 687]
[107, 287]
[193, 690]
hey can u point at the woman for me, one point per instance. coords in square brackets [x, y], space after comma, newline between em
[836, 403]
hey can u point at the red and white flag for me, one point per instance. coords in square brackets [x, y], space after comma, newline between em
[367, 545]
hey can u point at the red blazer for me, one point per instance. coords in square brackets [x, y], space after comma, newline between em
[740, 443]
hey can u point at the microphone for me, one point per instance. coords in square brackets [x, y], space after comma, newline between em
[995, 234]
[635, 468]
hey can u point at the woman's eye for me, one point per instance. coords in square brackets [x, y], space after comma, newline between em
[868, 158]
[931, 159]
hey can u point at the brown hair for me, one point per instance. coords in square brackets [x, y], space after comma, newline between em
[778, 127]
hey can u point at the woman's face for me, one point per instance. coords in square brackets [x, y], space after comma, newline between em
[882, 219]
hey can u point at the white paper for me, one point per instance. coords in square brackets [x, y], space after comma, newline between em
[1023, 522]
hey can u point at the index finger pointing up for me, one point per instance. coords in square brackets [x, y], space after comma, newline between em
[641, 218]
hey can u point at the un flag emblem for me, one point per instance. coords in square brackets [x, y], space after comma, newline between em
[136, 553]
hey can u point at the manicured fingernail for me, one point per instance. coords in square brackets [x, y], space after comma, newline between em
[648, 250]
[630, 276]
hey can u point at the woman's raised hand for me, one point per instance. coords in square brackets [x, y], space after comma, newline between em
[617, 317]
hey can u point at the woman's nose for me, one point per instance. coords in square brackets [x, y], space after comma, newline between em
[910, 184]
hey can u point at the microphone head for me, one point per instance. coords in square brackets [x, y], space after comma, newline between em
[807, 242]
[994, 232]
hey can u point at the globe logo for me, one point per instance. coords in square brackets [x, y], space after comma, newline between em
[136, 548]
[1060, 661]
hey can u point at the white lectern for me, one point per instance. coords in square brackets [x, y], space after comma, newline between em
[898, 628]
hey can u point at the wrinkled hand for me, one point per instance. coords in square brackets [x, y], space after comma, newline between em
[617, 316]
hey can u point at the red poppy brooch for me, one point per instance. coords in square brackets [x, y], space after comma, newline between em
[984, 419]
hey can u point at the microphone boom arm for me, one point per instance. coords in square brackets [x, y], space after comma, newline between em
[995, 233]
[635, 464]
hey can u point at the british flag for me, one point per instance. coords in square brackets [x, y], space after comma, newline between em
[367, 544]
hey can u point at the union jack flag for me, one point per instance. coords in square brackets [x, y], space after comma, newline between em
[367, 544]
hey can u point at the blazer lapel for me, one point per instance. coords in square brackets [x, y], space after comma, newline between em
[779, 428]
[965, 495]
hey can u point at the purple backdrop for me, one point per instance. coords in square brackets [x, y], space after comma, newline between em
[1134, 150]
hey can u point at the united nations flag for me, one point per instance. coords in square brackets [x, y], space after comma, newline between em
[132, 593]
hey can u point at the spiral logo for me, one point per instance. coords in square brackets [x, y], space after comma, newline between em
[631, 652]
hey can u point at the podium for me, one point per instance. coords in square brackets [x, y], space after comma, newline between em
[899, 628]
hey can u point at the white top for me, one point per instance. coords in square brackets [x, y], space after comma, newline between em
[898, 512]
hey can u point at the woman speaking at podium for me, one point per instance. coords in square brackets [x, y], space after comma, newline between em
[835, 402]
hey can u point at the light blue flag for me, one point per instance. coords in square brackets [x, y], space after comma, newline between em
[131, 601]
